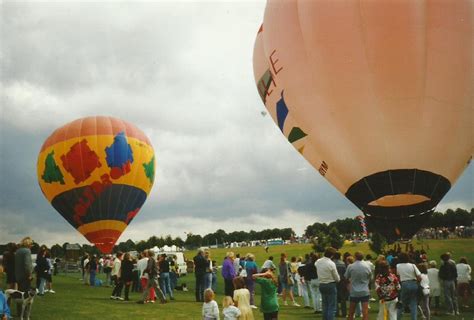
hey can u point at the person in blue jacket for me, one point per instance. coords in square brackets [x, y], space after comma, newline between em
[4, 309]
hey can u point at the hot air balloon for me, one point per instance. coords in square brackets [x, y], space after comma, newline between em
[97, 173]
[381, 93]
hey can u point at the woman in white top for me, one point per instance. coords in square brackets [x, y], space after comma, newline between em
[464, 277]
[435, 287]
[408, 274]
[425, 294]
[210, 309]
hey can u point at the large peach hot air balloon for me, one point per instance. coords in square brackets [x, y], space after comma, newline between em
[97, 172]
[381, 96]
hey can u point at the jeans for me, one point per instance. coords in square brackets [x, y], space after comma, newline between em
[200, 283]
[214, 282]
[450, 297]
[41, 286]
[304, 292]
[329, 297]
[208, 280]
[315, 294]
[165, 284]
[173, 280]
[92, 278]
[409, 295]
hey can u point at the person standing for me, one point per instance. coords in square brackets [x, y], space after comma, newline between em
[286, 280]
[269, 298]
[448, 275]
[228, 273]
[409, 275]
[251, 268]
[200, 265]
[464, 277]
[23, 267]
[42, 268]
[208, 276]
[242, 299]
[387, 287]
[435, 287]
[117, 277]
[9, 265]
[151, 272]
[93, 265]
[312, 279]
[359, 274]
[342, 292]
[424, 295]
[127, 273]
[165, 283]
[268, 264]
[328, 279]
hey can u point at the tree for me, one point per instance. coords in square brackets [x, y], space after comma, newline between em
[193, 241]
[179, 242]
[315, 229]
[321, 242]
[377, 243]
[335, 239]
[57, 251]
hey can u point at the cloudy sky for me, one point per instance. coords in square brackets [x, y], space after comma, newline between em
[182, 72]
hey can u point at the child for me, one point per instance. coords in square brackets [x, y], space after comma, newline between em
[229, 311]
[210, 309]
[242, 299]
[269, 283]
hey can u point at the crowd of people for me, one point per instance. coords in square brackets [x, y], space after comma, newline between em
[405, 282]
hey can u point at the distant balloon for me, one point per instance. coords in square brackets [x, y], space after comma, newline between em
[376, 95]
[97, 172]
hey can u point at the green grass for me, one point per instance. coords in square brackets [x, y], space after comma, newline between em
[74, 300]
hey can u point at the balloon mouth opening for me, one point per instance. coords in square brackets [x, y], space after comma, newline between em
[105, 245]
[398, 199]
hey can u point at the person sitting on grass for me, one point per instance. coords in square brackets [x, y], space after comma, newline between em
[269, 299]
[230, 311]
[210, 309]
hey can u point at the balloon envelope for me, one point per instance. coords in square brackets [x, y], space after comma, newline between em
[383, 92]
[97, 172]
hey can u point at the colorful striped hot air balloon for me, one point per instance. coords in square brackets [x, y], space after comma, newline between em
[376, 95]
[97, 172]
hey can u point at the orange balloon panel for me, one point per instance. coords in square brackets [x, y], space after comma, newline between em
[97, 172]
[383, 90]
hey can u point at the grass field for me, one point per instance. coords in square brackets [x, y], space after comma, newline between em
[74, 300]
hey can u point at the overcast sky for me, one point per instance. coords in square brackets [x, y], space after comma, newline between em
[182, 72]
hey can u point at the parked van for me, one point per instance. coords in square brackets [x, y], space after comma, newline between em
[179, 258]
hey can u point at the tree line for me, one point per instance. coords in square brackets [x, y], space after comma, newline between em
[321, 234]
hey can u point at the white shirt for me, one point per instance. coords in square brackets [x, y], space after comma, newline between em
[326, 270]
[407, 271]
[464, 272]
[210, 310]
[425, 284]
[116, 268]
[231, 313]
[433, 278]
[141, 265]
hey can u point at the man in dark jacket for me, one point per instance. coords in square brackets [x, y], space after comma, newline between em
[200, 265]
[448, 275]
